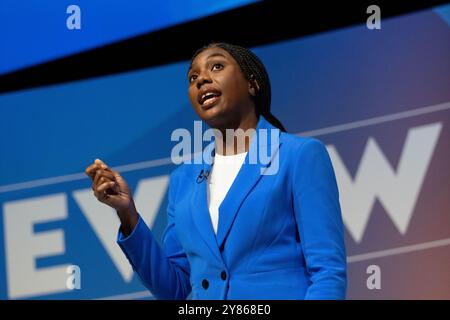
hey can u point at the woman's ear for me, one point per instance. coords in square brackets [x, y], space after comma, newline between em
[253, 86]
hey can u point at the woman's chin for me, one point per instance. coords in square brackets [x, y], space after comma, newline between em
[210, 113]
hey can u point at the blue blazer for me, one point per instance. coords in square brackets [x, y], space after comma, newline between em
[279, 236]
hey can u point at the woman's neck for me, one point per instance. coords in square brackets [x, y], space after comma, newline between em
[236, 138]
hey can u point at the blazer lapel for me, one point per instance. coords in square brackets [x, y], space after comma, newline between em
[199, 205]
[248, 176]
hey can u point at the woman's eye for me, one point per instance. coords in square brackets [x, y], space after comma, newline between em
[217, 66]
[192, 78]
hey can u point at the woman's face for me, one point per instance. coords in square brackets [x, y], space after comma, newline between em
[218, 90]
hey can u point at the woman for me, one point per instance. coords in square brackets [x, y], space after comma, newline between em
[234, 231]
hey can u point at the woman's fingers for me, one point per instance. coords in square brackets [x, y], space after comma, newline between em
[100, 191]
[104, 186]
[102, 165]
[108, 185]
[102, 176]
[99, 162]
[90, 171]
[98, 166]
[101, 173]
[107, 174]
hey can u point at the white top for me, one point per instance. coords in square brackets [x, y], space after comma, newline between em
[223, 173]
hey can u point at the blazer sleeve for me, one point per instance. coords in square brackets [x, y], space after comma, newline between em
[319, 221]
[164, 269]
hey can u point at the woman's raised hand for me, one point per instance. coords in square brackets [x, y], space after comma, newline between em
[110, 188]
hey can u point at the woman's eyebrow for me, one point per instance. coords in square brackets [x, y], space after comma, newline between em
[212, 55]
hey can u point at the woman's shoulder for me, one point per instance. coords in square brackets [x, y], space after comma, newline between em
[296, 144]
[306, 154]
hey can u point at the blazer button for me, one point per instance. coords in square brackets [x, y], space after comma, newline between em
[205, 284]
[223, 275]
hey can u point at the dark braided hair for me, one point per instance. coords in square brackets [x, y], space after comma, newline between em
[253, 70]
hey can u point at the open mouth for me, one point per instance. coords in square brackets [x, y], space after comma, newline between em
[209, 97]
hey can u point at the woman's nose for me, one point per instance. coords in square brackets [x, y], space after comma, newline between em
[202, 79]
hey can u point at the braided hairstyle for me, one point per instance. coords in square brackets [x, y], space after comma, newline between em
[253, 70]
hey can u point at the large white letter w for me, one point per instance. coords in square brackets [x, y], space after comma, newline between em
[375, 178]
